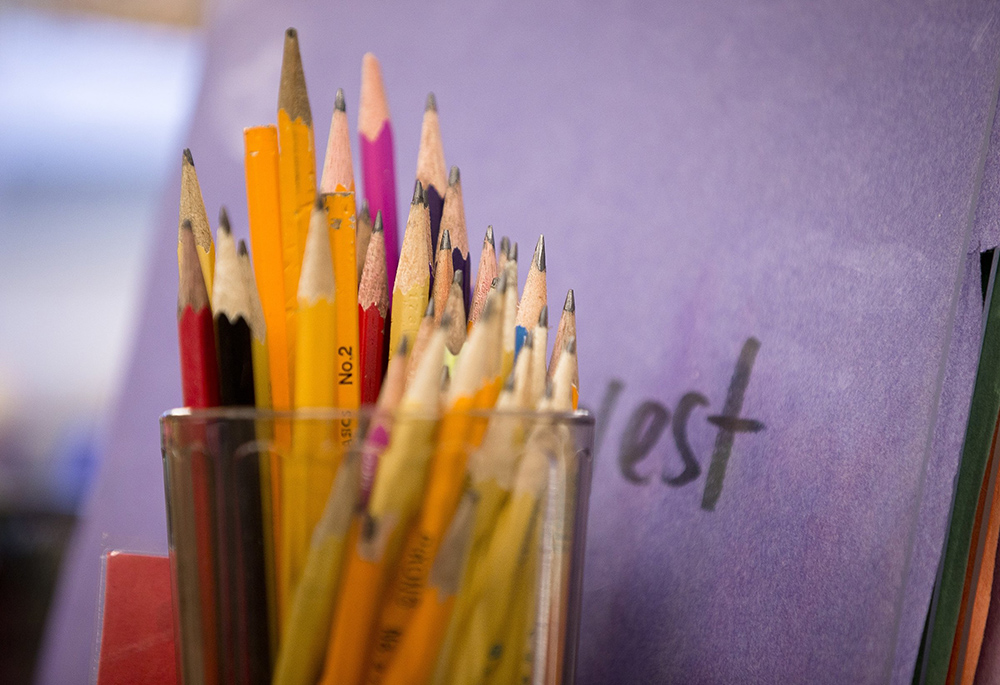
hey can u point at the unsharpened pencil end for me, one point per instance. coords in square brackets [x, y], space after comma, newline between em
[224, 221]
[445, 240]
[454, 176]
[339, 103]
[377, 226]
[540, 253]
[431, 105]
[187, 156]
[543, 316]
[570, 304]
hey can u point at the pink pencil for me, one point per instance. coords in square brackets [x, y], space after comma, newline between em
[377, 163]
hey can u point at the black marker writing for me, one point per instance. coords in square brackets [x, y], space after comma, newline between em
[691, 468]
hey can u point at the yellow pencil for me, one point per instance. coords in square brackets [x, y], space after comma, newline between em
[394, 500]
[309, 472]
[303, 643]
[508, 327]
[418, 648]
[193, 210]
[412, 286]
[296, 176]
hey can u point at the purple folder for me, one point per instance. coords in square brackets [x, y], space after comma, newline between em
[771, 215]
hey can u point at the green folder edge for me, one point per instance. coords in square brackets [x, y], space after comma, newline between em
[935, 652]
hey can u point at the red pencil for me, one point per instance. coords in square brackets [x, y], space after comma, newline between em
[200, 387]
[373, 306]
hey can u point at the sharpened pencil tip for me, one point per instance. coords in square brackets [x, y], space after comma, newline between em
[291, 33]
[512, 257]
[529, 340]
[540, 253]
[339, 103]
[429, 312]
[318, 205]
[377, 226]
[570, 304]
[224, 221]
[505, 246]
[571, 345]
[458, 277]
[404, 346]
[454, 176]
[365, 212]
[446, 320]
[489, 236]
[186, 226]
[543, 316]
[508, 384]
[549, 390]
[418, 193]
[187, 156]
[432, 104]
[445, 240]
[242, 250]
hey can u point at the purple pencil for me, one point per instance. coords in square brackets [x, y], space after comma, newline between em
[377, 162]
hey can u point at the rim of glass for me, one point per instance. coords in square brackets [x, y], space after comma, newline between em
[581, 417]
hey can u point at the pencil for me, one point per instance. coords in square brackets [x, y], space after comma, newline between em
[394, 499]
[200, 389]
[455, 307]
[377, 163]
[262, 400]
[373, 306]
[444, 489]
[193, 211]
[377, 438]
[431, 169]
[338, 170]
[503, 254]
[484, 276]
[453, 221]
[510, 309]
[534, 296]
[565, 331]
[307, 629]
[238, 486]
[444, 272]
[412, 287]
[364, 236]
[420, 340]
[418, 648]
[309, 472]
[296, 178]
[538, 370]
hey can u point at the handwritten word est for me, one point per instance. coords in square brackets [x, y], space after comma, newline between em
[648, 421]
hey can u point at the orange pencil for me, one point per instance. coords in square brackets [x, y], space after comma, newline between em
[484, 277]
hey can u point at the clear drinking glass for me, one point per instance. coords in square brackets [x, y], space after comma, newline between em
[257, 498]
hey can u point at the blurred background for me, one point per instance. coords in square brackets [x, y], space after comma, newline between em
[95, 97]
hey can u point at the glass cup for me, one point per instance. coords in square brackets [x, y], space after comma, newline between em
[371, 546]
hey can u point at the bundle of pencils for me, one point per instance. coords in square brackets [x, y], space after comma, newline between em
[408, 547]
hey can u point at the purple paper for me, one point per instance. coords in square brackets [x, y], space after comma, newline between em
[707, 175]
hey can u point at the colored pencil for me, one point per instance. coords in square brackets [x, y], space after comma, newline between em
[412, 288]
[533, 298]
[444, 272]
[453, 221]
[296, 177]
[193, 211]
[377, 437]
[484, 276]
[193, 537]
[377, 162]
[373, 308]
[431, 170]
